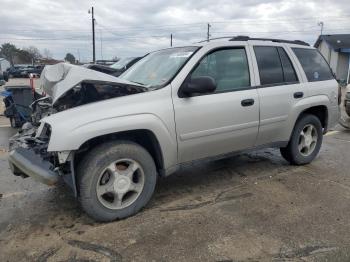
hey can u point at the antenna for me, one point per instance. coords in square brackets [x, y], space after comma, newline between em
[208, 32]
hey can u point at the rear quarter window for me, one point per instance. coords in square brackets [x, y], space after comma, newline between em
[315, 66]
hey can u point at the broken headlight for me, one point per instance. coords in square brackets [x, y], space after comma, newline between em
[44, 132]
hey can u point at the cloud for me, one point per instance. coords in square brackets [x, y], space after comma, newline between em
[129, 28]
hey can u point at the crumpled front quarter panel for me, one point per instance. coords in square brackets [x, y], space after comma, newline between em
[151, 110]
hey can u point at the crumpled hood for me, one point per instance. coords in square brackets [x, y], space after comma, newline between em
[57, 79]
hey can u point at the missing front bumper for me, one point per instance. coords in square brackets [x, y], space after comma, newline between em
[24, 161]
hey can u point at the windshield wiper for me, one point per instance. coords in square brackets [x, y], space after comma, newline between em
[138, 83]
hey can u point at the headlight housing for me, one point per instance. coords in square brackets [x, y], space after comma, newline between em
[44, 131]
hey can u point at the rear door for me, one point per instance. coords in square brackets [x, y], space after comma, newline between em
[226, 120]
[278, 91]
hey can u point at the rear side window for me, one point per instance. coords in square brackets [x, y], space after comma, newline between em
[314, 65]
[269, 63]
[274, 65]
[288, 69]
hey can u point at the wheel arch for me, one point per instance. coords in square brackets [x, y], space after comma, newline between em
[144, 137]
[320, 111]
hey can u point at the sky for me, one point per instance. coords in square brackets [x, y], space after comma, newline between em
[134, 28]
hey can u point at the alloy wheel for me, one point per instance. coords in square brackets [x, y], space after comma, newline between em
[120, 184]
[307, 140]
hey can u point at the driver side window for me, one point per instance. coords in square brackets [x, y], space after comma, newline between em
[228, 67]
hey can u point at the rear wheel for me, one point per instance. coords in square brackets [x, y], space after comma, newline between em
[305, 142]
[116, 180]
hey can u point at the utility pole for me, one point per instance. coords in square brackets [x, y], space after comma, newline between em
[101, 44]
[171, 40]
[208, 32]
[321, 24]
[93, 34]
[79, 55]
[348, 78]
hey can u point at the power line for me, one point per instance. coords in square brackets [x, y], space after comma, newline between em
[168, 26]
[125, 37]
[257, 20]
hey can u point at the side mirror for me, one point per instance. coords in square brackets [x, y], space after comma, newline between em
[198, 85]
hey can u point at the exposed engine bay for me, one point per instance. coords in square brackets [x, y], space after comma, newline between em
[84, 93]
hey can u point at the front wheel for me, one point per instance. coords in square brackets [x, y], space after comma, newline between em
[116, 180]
[305, 142]
[347, 108]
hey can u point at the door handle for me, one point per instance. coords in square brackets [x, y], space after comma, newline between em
[247, 102]
[298, 94]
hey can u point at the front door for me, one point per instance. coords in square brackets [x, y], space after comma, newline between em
[223, 121]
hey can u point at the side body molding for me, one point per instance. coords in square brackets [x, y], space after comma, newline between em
[150, 111]
[79, 135]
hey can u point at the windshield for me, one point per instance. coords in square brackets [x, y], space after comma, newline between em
[122, 63]
[157, 68]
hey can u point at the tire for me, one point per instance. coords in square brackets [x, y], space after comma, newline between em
[296, 151]
[347, 108]
[94, 168]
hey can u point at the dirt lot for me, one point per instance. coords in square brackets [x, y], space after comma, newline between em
[252, 207]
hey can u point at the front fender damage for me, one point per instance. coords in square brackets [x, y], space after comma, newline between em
[29, 157]
[66, 86]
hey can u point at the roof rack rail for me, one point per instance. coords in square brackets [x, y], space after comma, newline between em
[246, 38]
[215, 38]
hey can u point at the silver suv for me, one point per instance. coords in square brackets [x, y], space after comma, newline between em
[110, 138]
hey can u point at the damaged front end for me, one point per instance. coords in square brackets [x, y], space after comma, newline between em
[66, 86]
[29, 156]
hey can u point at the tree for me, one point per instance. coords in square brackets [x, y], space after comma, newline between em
[70, 58]
[33, 53]
[9, 52]
[47, 53]
[23, 57]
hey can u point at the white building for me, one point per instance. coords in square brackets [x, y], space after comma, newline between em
[4, 64]
[336, 50]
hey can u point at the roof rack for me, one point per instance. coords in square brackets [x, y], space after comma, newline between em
[215, 38]
[246, 38]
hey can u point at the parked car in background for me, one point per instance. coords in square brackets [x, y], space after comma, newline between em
[110, 138]
[25, 70]
[106, 62]
[124, 64]
[115, 69]
[34, 70]
[15, 71]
